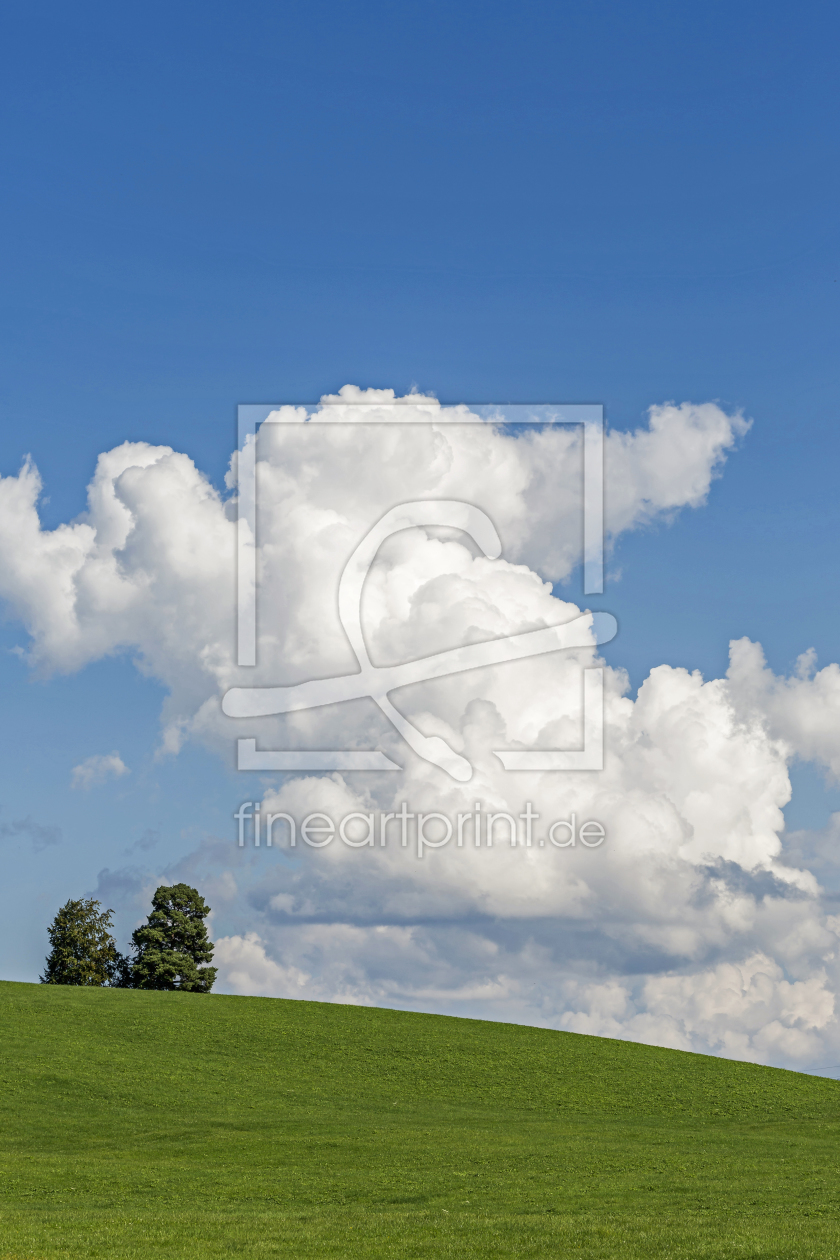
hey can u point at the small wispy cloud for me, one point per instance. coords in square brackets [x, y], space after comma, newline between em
[97, 769]
[40, 836]
[147, 841]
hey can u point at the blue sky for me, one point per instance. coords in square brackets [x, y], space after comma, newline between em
[213, 204]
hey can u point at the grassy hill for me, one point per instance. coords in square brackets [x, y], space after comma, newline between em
[173, 1125]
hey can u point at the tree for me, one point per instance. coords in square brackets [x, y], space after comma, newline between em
[83, 949]
[170, 947]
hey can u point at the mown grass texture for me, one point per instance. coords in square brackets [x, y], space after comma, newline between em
[136, 1125]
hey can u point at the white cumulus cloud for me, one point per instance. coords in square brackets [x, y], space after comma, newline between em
[698, 922]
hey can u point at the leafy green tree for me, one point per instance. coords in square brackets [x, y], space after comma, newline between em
[172, 946]
[83, 949]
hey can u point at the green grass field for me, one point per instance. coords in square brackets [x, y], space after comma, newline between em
[166, 1124]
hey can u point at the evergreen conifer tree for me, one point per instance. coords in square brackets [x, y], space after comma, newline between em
[83, 949]
[172, 946]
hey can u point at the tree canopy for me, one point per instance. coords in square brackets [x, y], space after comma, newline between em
[83, 950]
[172, 948]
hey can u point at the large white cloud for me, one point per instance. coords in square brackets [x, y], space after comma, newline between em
[697, 922]
[801, 710]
